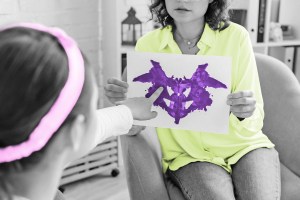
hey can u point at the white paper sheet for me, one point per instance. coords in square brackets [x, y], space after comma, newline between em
[214, 120]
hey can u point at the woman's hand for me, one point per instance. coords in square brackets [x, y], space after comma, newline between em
[242, 104]
[115, 90]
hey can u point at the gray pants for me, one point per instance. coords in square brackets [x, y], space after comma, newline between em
[256, 176]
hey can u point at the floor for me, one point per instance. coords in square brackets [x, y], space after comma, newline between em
[99, 187]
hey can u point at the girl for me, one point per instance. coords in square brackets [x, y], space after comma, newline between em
[242, 164]
[48, 113]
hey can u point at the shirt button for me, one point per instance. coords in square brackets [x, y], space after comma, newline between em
[206, 149]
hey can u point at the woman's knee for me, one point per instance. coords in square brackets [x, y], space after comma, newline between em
[257, 175]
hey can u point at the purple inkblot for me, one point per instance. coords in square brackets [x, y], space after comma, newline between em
[184, 95]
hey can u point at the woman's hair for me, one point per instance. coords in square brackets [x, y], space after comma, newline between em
[216, 15]
[33, 71]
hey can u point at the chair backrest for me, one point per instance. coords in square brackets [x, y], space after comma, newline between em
[281, 94]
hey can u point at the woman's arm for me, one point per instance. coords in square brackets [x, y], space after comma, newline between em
[247, 86]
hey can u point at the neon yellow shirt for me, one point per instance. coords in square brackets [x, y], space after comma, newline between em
[181, 147]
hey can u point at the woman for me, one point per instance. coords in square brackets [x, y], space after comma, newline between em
[242, 164]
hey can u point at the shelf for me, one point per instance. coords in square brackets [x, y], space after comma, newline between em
[278, 44]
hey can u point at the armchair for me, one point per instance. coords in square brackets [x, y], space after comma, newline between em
[281, 93]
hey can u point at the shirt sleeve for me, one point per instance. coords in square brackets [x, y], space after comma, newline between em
[113, 121]
[248, 79]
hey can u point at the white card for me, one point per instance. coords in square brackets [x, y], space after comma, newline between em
[191, 101]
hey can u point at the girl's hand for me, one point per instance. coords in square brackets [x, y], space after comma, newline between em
[242, 104]
[141, 106]
[115, 90]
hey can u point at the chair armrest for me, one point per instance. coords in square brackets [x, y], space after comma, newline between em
[142, 162]
[59, 196]
[290, 184]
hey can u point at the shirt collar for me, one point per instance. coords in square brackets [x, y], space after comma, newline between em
[208, 37]
[167, 37]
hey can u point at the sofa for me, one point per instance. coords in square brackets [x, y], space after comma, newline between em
[281, 93]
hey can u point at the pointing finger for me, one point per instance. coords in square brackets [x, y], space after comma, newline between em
[156, 94]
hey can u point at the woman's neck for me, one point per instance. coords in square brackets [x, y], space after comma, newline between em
[190, 30]
[187, 36]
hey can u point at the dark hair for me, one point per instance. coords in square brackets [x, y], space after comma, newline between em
[216, 15]
[33, 70]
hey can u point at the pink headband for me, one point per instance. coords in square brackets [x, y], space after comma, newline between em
[61, 108]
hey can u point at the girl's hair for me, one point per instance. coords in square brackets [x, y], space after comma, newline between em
[33, 70]
[216, 15]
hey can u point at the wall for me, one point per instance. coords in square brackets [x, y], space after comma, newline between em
[79, 18]
[111, 42]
